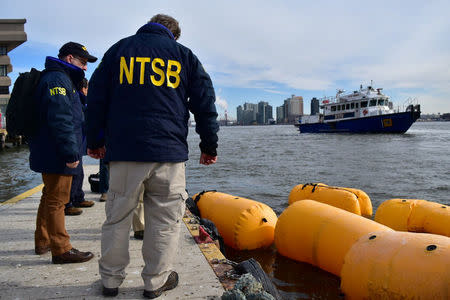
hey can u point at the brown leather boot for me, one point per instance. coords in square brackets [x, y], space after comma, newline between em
[171, 283]
[72, 256]
[72, 211]
[103, 197]
[85, 203]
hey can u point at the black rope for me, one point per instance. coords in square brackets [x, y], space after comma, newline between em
[315, 185]
[199, 195]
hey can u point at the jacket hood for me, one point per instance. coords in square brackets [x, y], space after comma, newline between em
[75, 73]
[155, 28]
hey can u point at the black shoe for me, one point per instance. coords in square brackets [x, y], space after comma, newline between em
[72, 256]
[139, 235]
[170, 284]
[110, 292]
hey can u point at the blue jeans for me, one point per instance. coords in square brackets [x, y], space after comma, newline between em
[76, 191]
[104, 177]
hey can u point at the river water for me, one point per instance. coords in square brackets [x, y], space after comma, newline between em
[264, 163]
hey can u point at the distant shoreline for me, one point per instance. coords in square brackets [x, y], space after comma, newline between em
[433, 120]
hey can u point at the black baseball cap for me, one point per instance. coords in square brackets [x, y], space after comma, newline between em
[76, 50]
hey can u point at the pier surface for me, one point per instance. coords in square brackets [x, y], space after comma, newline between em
[26, 275]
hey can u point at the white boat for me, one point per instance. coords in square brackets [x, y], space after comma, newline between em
[365, 111]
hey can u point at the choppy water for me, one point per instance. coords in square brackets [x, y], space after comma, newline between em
[265, 162]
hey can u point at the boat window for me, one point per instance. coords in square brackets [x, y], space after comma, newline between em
[338, 107]
[333, 108]
[373, 102]
[364, 104]
[381, 102]
[352, 105]
[343, 106]
[347, 106]
[357, 105]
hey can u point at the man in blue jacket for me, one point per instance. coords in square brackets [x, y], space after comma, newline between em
[73, 208]
[140, 96]
[56, 149]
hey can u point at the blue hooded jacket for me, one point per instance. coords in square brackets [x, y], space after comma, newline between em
[140, 96]
[59, 138]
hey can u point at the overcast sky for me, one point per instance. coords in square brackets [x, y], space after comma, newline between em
[268, 50]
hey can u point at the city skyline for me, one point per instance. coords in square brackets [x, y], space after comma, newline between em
[261, 113]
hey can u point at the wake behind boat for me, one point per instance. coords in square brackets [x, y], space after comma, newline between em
[365, 111]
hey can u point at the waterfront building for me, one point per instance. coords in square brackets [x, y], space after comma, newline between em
[12, 35]
[264, 113]
[239, 114]
[314, 106]
[293, 109]
[268, 119]
[280, 114]
[249, 117]
[247, 114]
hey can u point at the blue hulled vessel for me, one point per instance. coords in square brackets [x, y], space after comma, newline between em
[365, 111]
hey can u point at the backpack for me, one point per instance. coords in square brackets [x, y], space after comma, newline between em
[21, 113]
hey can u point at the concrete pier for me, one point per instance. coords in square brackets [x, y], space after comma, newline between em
[25, 275]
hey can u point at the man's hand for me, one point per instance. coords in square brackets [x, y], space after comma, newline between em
[97, 153]
[73, 165]
[206, 159]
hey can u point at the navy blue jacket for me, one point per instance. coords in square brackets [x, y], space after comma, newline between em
[140, 97]
[59, 139]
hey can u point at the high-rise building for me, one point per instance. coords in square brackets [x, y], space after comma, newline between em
[314, 106]
[280, 114]
[239, 115]
[12, 34]
[293, 108]
[261, 112]
[250, 113]
[247, 114]
[264, 113]
[268, 117]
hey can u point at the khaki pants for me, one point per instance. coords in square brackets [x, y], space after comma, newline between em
[164, 205]
[138, 213]
[50, 222]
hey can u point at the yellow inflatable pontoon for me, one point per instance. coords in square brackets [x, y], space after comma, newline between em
[415, 215]
[244, 224]
[397, 265]
[349, 199]
[320, 234]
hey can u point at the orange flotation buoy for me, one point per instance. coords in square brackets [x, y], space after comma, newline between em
[353, 200]
[415, 215]
[397, 265]
[320, 234]
[244, 224]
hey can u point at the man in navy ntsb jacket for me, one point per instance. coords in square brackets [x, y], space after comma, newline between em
[140, 96]
[56, 149]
